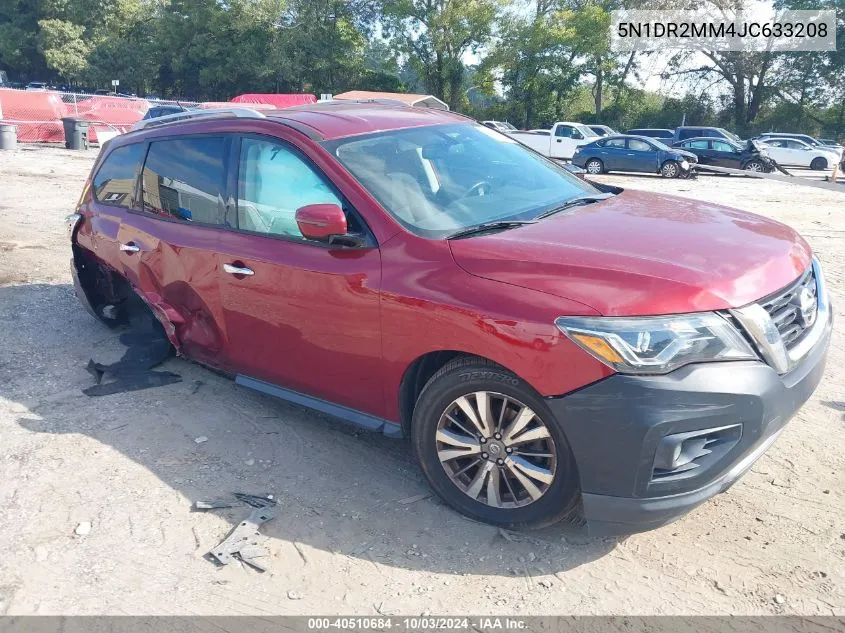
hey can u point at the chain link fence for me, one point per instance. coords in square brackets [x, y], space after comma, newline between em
[38, 114]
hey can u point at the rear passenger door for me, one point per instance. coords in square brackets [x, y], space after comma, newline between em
[299, 314]
[168, 246]
[614, 154]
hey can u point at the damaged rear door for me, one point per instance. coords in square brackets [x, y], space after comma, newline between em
[168, 251]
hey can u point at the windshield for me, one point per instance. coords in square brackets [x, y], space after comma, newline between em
[659, 144]
[587, 132]
[439, 179]
[729, 135]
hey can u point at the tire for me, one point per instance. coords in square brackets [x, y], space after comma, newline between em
[670, 169]
[453, 479]
[594, 166]
[755, 166]
[818, 164]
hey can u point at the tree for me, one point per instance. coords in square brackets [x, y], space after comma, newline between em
[436, 34]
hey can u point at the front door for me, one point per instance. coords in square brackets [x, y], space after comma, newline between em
[726, 155]
[564, 141]
[641, 156]
[299, 314]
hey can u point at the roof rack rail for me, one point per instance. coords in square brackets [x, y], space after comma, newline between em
[376, 100]
[240, 113]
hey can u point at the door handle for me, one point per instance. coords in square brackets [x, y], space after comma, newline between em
[238, 270]
[130, 248]
[559, 140]
[630, 154]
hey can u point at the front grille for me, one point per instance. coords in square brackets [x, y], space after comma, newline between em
[785, 309]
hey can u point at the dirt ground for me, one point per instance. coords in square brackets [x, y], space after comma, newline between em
[358, 532]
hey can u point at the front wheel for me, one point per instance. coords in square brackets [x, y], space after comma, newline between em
[491, 448]
[670, 169]
[754, 165]
[818, 164]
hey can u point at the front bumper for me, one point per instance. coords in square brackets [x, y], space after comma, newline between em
[614, 428]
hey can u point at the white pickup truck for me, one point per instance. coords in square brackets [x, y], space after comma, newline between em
[559, 142]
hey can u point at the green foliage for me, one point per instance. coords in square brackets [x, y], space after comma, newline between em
[530, 62]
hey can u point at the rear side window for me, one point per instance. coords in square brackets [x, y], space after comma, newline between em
[689, 133]
[114, 182]
[616, 142]
[184, 179]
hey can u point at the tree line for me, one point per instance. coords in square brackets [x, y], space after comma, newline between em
[530, 62]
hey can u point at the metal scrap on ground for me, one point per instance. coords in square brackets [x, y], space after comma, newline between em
[242, 542]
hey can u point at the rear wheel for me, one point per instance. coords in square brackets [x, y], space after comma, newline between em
[670, 169]
[491, 448]
[594, 166]
[818, 164]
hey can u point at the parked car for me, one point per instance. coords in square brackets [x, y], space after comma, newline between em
[687, 131]
[36, 86]
[633, 153]
[829, 142]
[797, 153]
[603, 130]
[552, 350]
[163, 110]
[561, 140]
[809, 140]
[724, 153]
[500, 126]
[658, 133]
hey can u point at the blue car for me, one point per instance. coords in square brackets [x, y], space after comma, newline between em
[163, 109]
[624, 152]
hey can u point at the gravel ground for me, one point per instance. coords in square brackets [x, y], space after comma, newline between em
[96, 493]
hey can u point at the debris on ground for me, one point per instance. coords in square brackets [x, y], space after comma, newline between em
[242, 542]
[200, 439]
[146, 348]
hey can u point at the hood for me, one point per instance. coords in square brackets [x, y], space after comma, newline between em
[643, 254]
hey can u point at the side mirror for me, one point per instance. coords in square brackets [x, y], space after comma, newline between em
[321, 221]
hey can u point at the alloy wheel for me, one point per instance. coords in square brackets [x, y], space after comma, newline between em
[754, 166]
[496, 449]
[670, 170]
[594, 167]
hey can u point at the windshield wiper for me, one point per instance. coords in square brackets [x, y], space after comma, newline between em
[574, 202]
[484, 227]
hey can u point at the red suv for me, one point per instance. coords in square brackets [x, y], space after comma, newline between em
[554, 349]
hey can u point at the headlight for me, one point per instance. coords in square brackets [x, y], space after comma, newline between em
[656, 345]
[684, 164]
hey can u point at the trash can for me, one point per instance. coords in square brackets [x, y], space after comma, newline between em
[76, 133]
[8, 136]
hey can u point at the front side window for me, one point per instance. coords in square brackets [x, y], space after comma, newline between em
[639, 146]
[184, 179]
[722, 146]
[566, 131]
[273, 182]
[439, 179]
[114, 183]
